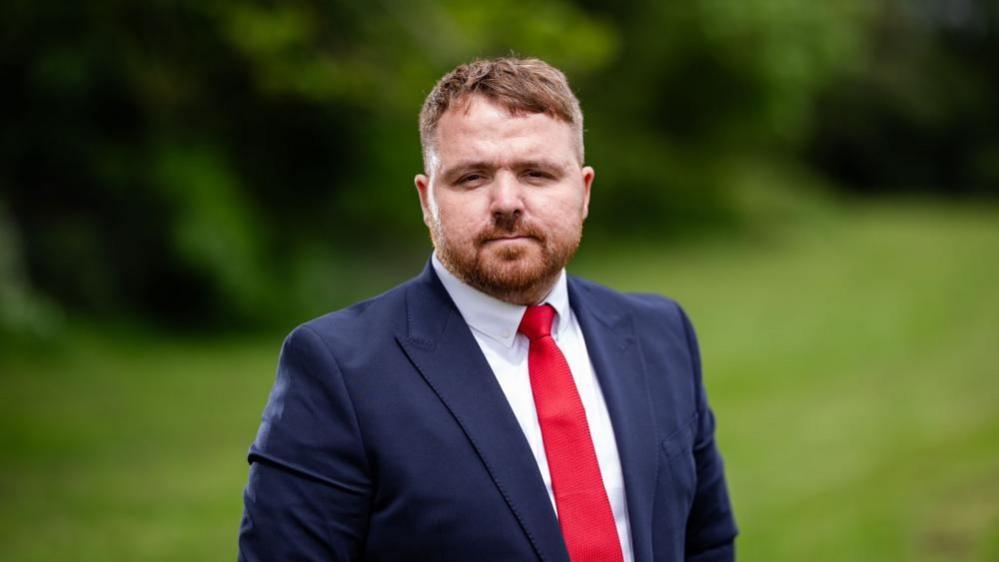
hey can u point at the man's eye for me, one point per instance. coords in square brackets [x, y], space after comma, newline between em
[470, 178]
[538, 174]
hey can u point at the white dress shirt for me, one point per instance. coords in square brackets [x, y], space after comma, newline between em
[494, 324]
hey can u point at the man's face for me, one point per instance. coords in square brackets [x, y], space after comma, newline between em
[506, 198]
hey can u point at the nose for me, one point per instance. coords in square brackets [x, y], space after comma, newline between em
[507, 197]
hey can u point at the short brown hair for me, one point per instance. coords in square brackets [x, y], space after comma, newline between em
[520, 85]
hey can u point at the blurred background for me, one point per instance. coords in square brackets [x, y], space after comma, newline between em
[182, 182]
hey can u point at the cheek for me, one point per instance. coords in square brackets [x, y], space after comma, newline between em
[469, 208]
[563, 212]
[458, 223]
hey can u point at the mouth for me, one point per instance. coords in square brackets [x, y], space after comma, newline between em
[511, 238]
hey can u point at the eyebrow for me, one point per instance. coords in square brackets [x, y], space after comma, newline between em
[543, 164]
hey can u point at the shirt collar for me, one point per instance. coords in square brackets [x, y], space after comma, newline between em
[494, 318]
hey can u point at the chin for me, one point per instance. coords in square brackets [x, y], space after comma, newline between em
[514, 273]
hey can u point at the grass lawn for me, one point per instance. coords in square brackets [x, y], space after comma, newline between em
[853, 364]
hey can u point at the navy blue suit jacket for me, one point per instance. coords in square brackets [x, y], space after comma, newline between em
[387, 437]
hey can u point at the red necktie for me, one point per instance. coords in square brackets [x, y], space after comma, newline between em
[584, 512]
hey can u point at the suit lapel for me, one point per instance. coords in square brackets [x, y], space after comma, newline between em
[442, 348]
[616, 357]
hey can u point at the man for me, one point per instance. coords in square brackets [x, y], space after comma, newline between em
[492, 408]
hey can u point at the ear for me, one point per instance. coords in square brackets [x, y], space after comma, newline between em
[422, 183]
[588, 175]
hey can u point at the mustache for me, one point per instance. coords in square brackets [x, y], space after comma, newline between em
[505, 226]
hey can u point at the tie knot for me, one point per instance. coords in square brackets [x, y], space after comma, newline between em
[537, 322]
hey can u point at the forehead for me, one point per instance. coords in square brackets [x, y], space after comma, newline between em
[483, 130]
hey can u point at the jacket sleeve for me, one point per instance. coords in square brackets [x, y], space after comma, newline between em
[309, 493]
[711, 526]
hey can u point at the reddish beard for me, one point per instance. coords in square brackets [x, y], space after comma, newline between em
[520, 272]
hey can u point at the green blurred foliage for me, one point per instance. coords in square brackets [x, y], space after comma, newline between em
[25, 316]
[918, 111]
[231, 163]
